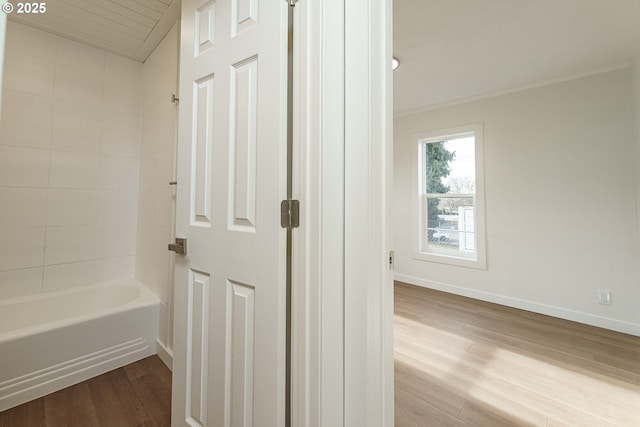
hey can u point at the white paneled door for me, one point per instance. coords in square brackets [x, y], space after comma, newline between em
[229, 346]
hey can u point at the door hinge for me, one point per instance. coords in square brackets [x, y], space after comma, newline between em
[290, 214]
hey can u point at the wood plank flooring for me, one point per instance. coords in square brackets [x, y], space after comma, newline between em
[462, 362]
[458, 362]
[138, 394]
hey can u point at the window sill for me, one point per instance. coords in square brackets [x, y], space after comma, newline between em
[480, 263]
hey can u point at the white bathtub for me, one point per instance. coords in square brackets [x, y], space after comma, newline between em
[51, 341]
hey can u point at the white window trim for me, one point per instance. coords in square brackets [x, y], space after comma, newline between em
[481, 260]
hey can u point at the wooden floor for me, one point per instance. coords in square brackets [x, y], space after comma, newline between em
[458, 362]
[461, 362]
[138, 394]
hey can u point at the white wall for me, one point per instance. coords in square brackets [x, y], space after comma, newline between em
[560, 200]
[69, 145]
[3, 33]
[156, 199]
[636, 127]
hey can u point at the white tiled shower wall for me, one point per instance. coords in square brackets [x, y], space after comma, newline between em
[69, 164]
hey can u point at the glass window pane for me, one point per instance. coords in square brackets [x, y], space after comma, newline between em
[450, 166]
[449, 204]
[437, 167]
[451, 226]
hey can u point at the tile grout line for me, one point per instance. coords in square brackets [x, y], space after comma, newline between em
[46, 206]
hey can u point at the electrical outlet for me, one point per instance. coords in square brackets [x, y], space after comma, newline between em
[604, 297]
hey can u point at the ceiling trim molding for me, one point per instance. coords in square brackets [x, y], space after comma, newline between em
[512, 90]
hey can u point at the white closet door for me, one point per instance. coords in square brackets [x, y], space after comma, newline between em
[229, 345]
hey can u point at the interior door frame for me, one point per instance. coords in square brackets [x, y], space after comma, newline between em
[343, 283]
[368, 236]
[318, 252]
[343, 70]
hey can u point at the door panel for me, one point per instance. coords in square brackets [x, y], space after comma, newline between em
[202, 145]
[205, 26]
[244, 15]
[229, 351]
[244, 112]
[198, 346]
[242, 351]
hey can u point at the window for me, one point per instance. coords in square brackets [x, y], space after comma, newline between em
[450, 208]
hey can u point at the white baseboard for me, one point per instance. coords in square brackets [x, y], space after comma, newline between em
[33, 385]
[165, 354]
[562, 313]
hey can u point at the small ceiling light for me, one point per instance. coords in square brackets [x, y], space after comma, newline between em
[395, 63]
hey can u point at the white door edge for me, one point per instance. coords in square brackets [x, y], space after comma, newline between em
[368, 179]
[343, 303]
[318, 255]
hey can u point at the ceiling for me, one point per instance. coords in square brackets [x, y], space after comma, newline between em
[130, 28]
[451, 50]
